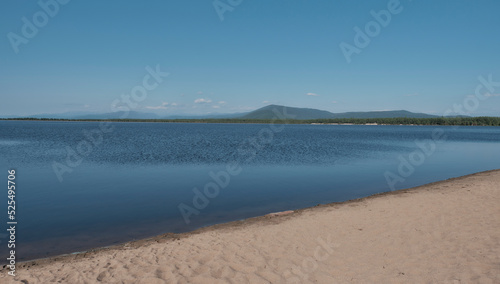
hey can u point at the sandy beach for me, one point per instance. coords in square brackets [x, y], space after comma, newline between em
[445, 232]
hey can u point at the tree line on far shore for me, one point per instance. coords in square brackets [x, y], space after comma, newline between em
[464, 121]
[461, 121]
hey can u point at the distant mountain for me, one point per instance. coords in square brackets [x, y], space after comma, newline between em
[64, 115]
[383, 114]
[207, 116]
[118, 115]
[125, 115]
[90, 115]
[267, 112]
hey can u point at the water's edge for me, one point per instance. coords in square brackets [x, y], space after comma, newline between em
[265, 219]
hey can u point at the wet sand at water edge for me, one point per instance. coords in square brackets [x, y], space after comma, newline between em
[444, 232]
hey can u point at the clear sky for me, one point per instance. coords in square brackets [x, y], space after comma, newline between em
[85, 55]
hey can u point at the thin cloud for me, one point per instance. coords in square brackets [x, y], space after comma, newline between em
[222, 102]
[77, 105]
[335, 102]
[492, 95]
[164, 105]
[312, 94]
[411, 95]
[239, 108]
[202, 101]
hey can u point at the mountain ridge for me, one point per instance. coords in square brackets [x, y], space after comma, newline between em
[266, 112]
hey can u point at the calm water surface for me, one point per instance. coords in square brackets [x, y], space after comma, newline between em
[130, 185]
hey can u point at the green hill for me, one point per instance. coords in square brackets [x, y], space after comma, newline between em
[268, 112]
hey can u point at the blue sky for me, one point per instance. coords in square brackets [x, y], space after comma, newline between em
[426, 59]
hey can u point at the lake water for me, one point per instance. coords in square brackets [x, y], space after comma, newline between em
[130, 183]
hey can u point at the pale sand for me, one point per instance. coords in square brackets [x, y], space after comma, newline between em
[446, 232]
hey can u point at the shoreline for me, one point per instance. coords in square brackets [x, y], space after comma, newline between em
[360, 121]
[269, 219]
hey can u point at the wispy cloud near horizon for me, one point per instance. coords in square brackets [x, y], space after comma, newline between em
[202, 101]
[164, 105]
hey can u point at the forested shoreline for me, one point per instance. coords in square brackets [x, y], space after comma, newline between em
[461, 121]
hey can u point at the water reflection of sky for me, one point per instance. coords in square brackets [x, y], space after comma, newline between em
[117, 194]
